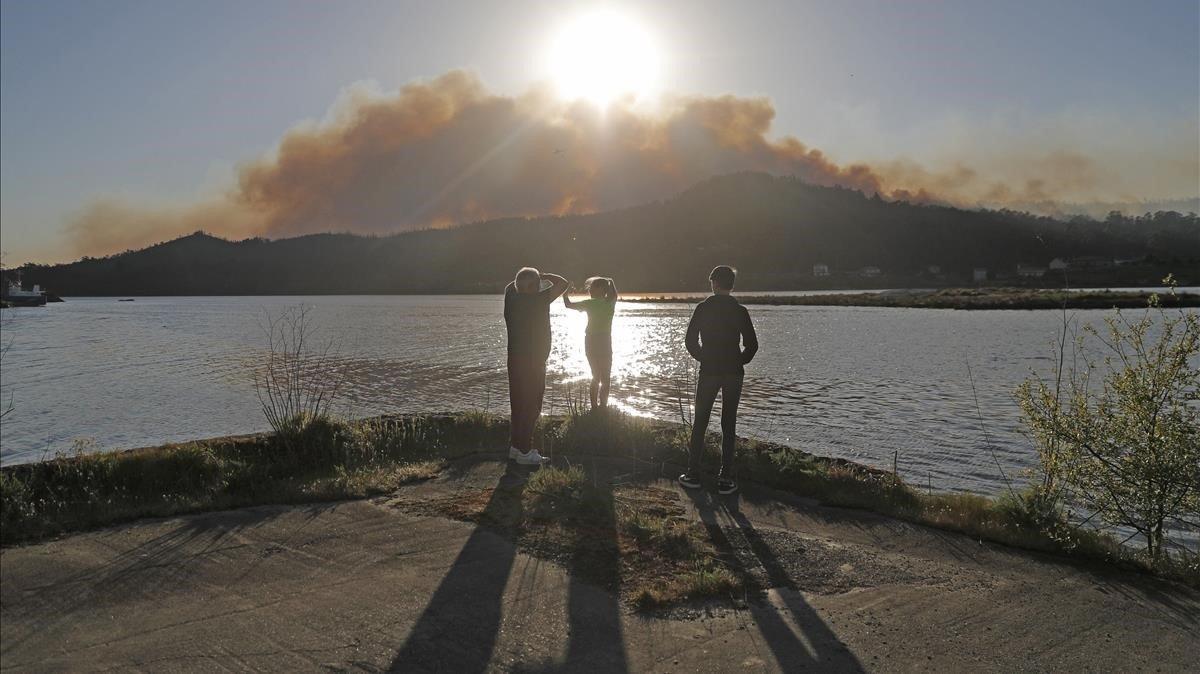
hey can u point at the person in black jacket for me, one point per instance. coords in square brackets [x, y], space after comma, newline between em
[720, 336]
[527, 320]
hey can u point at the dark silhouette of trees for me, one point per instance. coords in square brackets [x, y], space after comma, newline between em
[773, 228]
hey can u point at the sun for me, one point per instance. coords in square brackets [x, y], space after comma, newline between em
[601, 56]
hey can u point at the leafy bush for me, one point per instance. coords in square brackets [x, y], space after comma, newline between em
[1125, 448]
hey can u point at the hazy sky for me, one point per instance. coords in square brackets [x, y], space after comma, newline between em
[158, 102]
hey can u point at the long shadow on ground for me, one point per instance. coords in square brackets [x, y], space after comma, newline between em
[460, 627]
[812, 644]
[594, 613]
[457, 632]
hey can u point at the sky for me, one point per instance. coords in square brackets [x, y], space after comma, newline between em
[151, 111]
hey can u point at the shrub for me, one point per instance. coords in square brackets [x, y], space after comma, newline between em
[1126, 448]
[299, 381]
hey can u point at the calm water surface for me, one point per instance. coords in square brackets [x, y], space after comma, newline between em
[859, 383]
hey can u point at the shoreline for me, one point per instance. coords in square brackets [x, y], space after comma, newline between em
[975, 299]
[680, 295]
[348, 460]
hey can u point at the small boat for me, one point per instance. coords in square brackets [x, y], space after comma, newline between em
[128, 299]
[16, 296]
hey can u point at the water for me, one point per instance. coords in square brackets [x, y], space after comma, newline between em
[858, 383]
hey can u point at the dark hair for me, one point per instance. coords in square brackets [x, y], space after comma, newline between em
[724, 276]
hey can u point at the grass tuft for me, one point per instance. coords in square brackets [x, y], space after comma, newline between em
[81, 489]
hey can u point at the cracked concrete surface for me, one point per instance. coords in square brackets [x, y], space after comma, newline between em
[373, 586]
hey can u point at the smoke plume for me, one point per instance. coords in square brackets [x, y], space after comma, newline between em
[447, 151]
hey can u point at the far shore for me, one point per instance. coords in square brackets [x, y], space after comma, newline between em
[1006, 297]
[963, 298]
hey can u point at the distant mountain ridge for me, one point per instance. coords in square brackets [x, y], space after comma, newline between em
[775, 229]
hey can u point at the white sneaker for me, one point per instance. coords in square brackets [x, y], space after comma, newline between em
[530, 458]
[513, 452]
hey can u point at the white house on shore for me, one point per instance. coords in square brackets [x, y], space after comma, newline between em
[870, 272]
[979, 274]
[820, 270]
[1028, 271]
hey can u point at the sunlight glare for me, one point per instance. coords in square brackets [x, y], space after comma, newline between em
[602, 56]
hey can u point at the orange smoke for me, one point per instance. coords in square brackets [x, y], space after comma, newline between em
[111, 226]
[447, 151]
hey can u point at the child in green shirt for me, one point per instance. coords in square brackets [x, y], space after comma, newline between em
[598, 338]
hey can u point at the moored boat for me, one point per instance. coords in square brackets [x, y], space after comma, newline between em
[16, 296]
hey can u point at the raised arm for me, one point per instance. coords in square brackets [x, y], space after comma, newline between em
[577, 306]
[558, 286]
[749, 338]
[612, 290]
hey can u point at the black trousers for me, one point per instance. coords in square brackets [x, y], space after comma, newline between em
[707, 387]
[526, 388]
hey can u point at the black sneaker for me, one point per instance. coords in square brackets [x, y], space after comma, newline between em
[689, 481]
[726, 486]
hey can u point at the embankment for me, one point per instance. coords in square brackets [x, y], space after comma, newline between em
[345, 460]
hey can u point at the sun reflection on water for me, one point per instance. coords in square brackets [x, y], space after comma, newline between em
[861, 384]
[644, 351]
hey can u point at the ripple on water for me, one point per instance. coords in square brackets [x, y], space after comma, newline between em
[860, 383]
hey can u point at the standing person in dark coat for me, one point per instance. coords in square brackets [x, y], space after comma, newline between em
[527, 320]
[720, 336]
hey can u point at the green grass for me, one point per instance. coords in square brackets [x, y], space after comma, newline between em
[554, 493]
[336, 460]
[1008, 520]
[633, 539]
[697, 571]
[341, 460]
[555, 484]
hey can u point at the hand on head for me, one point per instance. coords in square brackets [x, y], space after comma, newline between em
[529, 280]
[598, 286]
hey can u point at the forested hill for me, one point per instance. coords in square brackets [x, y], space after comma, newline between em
[773, 229]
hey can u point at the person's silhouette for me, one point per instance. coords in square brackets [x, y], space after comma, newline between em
[527, 320]
[720, 336]
[597, 341]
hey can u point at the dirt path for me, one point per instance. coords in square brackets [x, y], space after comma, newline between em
[373, 585]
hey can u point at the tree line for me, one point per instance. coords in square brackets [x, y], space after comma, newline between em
[773, 228]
